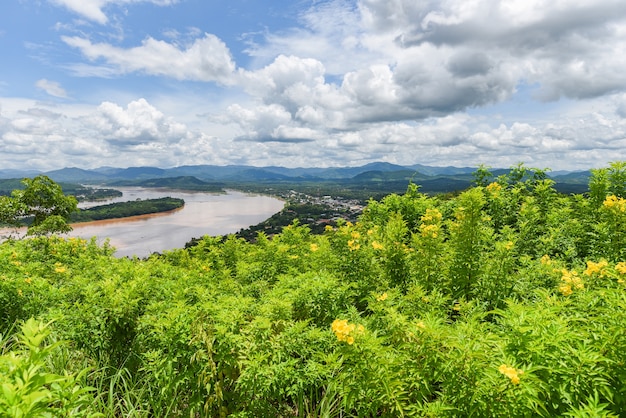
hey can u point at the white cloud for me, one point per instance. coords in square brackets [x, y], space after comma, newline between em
[90, 9]
[206, 59]
[52, 88]
[359, 80]
[93, 9]
[140, 123]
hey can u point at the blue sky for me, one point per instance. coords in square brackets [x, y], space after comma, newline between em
[91, 83]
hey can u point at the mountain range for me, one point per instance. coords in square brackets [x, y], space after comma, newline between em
[379, 172]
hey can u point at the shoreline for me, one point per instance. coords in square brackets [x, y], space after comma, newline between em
[75, 225]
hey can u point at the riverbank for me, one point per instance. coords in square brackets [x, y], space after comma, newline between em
[212, 214]
[120, 210]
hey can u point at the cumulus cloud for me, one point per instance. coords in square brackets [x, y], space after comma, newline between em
[52, 88]
[138, 124]
[570, 49]
[93, 9]
[206, 59]
[362, 80]
[36, 135]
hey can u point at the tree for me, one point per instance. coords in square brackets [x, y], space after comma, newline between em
[42, 200]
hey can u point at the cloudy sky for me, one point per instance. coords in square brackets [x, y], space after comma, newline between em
[312, 83]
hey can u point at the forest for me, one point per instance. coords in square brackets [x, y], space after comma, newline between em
[507, 299]
[126, 209]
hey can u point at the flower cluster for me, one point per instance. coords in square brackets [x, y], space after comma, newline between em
[382, 297]
[430, 223]
[599, 268]
[429, 231]
[377, 245]
[546, 260]
[59, 268]
[570, 281]
[353, 244]
[432, 215]
[511, 372]
[346, 332]
[615, 204]
[621, 267]
[494, 188]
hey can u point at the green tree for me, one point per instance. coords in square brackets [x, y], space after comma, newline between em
[42, 200]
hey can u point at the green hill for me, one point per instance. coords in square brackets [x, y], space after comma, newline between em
[505, 300]
[182, 183]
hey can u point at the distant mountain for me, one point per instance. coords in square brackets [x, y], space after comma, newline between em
[258, 174]
[76, 175]
[17, 174]
[182, 182]
[442, 171]
[383, 176]
[135, 173]
[577, 177]
[435, 178]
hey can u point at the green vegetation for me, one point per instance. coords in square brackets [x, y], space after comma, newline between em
[126, 209]
[41, 203]
[506, 300]
[81, 193]
[314, 216]
[181, 183]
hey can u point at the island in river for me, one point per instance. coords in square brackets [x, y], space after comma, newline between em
[126, 209]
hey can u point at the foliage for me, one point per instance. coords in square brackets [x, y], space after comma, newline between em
[126, 209]
[29, 387]
[42, 203]
[506, 300]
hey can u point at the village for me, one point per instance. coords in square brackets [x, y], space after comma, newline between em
[316, 212]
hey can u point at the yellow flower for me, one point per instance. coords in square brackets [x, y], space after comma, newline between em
[570, 280]
[59, 268]
[431, 215]
[19, 292]
[565, 289]
[511, 372]
[509, 245]
[596, 268]
[545, 260]
[346, 332]
[621, 267]
[429, 231]
[615, 204]
[353, 245]
[377, 245]
[28, 280]
[382, 297]
[314, 247]
[328, 228]
[494, 188]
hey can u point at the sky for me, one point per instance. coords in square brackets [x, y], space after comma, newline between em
[312, 83]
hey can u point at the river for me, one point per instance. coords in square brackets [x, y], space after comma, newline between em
[203, 214]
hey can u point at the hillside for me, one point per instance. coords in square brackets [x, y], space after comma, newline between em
[504, 300]
[181, 183]
[389, 177]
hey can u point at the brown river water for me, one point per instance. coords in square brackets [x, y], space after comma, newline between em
[203, 214]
